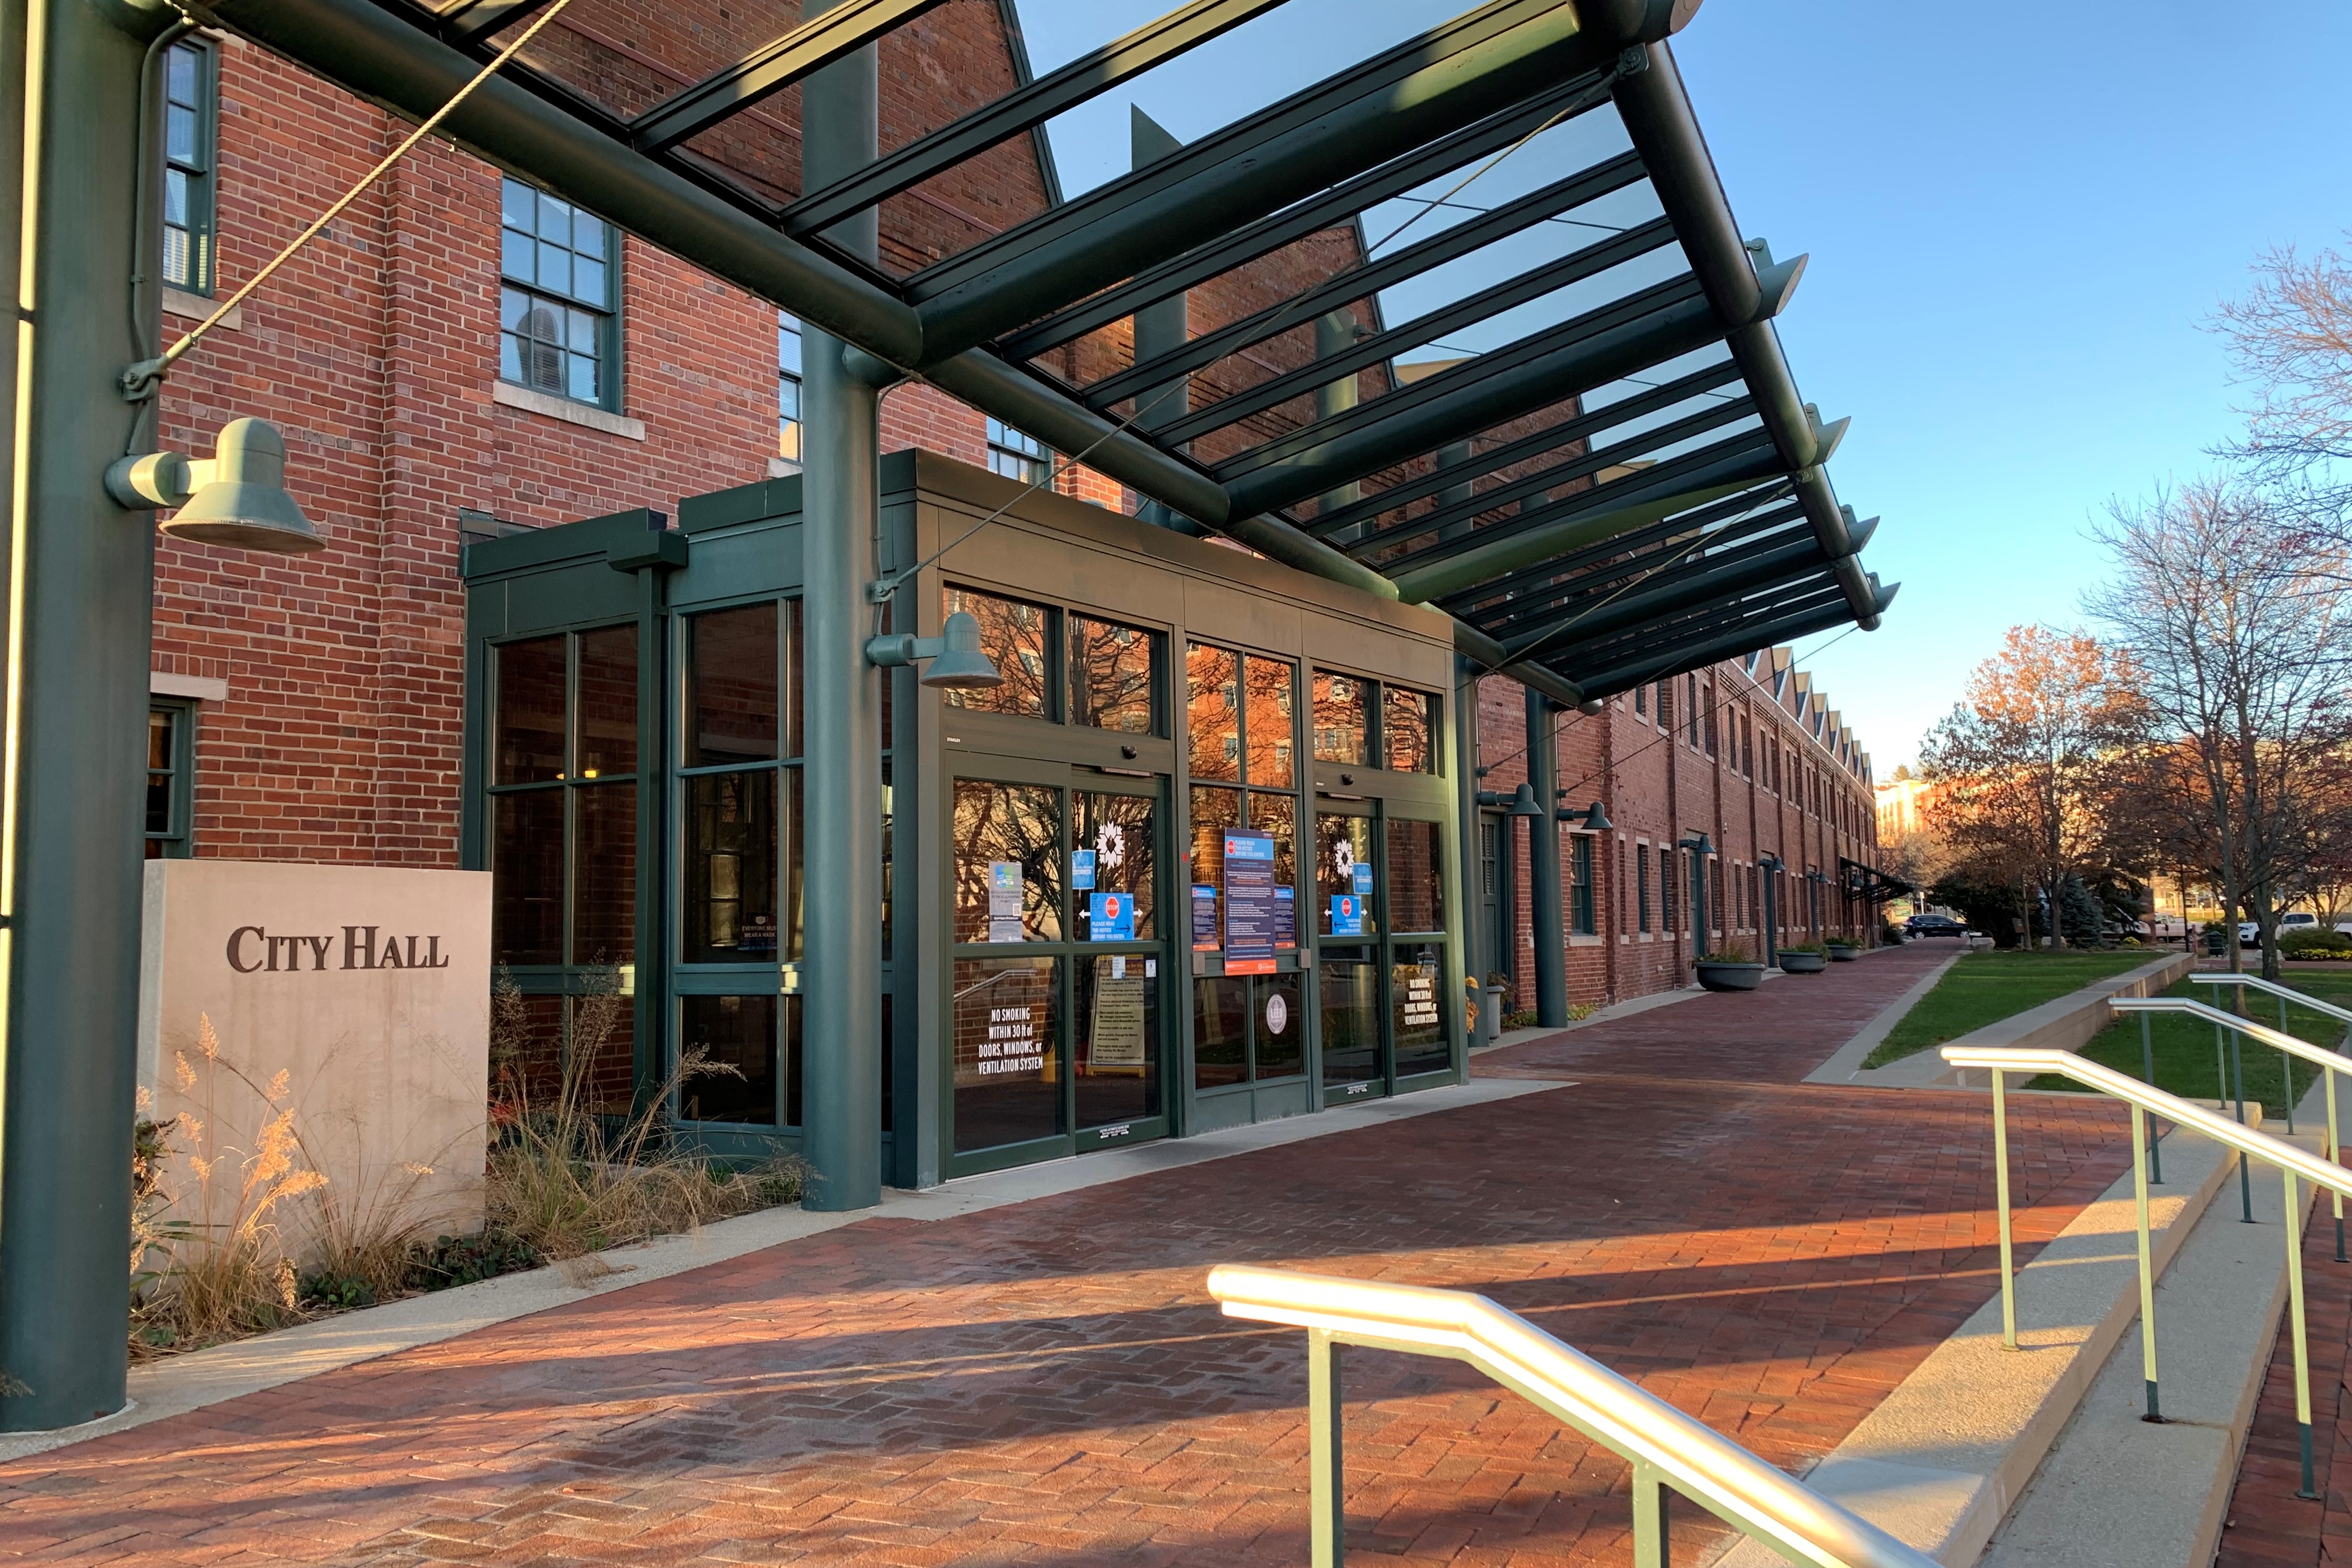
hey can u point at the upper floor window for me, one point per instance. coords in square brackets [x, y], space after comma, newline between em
[1017, 456]
[190, 129]
[558, 310]
[788, 388]
[1064, 666]
[171, 780]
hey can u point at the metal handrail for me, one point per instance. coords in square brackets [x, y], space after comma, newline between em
[2145, 1098]
[2330, 1062]
[1666, 1447]
[2284, 993]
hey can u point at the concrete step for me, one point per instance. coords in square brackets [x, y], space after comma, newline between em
[1942, 1459]
[2118, 1492]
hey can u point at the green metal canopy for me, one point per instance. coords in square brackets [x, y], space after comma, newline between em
[1482, 332]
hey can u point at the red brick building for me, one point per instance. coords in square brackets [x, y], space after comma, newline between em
[441, 366]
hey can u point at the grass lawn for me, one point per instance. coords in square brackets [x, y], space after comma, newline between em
[2184, 1047]
[1986, 987]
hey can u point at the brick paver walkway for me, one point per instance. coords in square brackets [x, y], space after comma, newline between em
[2268, 1526]
[1045, 1384]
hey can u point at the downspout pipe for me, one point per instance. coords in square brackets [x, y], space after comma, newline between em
[1657, 113]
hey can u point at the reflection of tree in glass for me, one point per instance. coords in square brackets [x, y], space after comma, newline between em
[1340, 718]
[1404, 730]
[1014, 636]
[1212, 713]
[1018, 823]
[1118, 829]
[1111, 676]
[1267, 722]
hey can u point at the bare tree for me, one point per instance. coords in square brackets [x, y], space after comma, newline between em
[2021, 764]
[2235, 622]
[2290, 340]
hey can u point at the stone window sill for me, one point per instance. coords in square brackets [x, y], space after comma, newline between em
[195, 307]
[564, 408]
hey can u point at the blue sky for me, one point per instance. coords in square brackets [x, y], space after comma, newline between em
[2015, 234]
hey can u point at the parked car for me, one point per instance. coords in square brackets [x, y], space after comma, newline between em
[1932, 925]
[2249, 934]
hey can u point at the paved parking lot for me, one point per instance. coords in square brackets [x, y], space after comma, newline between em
[1046, 1384]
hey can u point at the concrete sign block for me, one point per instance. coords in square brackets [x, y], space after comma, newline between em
[345, 1006]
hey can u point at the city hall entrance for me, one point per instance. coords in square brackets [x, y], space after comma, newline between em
[1192, 863]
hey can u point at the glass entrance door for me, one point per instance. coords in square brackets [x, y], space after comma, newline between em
[1383, 950]
[1056, 1016]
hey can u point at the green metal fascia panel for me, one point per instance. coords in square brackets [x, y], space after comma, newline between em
[1453, 76]
[1470, 398]
[763, 499]
[590, 539]
[1337, 205]
[1460, 240]
[1585, 464]
[559, 597]
[1445, 476]
[1442, 323]
[817, 42]
[371, 53]
[1056, 92]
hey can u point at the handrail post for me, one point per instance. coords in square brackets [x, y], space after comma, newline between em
[2147, 1264]
[2287, 1073]
[2238, 1077]
[2334, 1156]
[1650, 1498]
[2147, 1071]
[1328, 1509]
[2001, 1200]
[2302, 1350]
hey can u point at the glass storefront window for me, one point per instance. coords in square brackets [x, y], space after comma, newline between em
[1005, 1020]
[529, 743]
[1416, 898]
[1115, 1049]
[1342, 723]
[1114, 676]
[732, 1040]
[1008, 862]
[1277, 814]
[1348, 983]
[1343, 870]
[608, 702]
[1267, 722]
[733, 681]
[527, 876]
[732, 837]
[1018, 638]
[1407, 731]
[1212, 713]
[605, 879]
[1221, 1023]
[1417, 1000]
[1214, 810]
[1279, 1023]
[1118, 831]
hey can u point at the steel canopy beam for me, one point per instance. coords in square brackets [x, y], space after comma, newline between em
[1446, 476]
[1442, 321]
[1769, 571]
[469, 22]
[1739, 546]
[817, 42]
[1644, 330]
[1451, 76]
[1088, 76]
[1746, 639]
[1728, 620]
[1341, 202]
[1535, 207]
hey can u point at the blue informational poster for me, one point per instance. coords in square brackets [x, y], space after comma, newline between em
[1347, 915]
[1082, 869]
[1286, 918]
[1111, 917]
[1204, 918]
[1249, 903]
[1363, 877]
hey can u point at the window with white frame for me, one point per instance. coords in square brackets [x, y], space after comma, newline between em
[1017, 456]
[788, 388]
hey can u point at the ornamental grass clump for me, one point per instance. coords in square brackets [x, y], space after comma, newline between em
[1731, 952]
[568, 1177]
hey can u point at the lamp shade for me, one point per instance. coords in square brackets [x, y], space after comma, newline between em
[1597, 820]
[1523, 803]
[960, 665]
[245, 505]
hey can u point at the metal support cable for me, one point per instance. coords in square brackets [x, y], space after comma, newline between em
[143, 380]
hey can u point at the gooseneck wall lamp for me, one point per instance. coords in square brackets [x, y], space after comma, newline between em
[1519, 803]
[956, 662]
[1592, 819]
[239, 498]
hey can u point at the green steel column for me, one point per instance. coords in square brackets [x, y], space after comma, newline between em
[1335, 332]
[82, 571]
[1161, 328]
[840, 1007]
[1478, 943]
[1543, 871]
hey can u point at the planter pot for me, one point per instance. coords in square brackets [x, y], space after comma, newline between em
[1843, 952]
[1730, 976]
[1982, 944]
[1803, 963]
